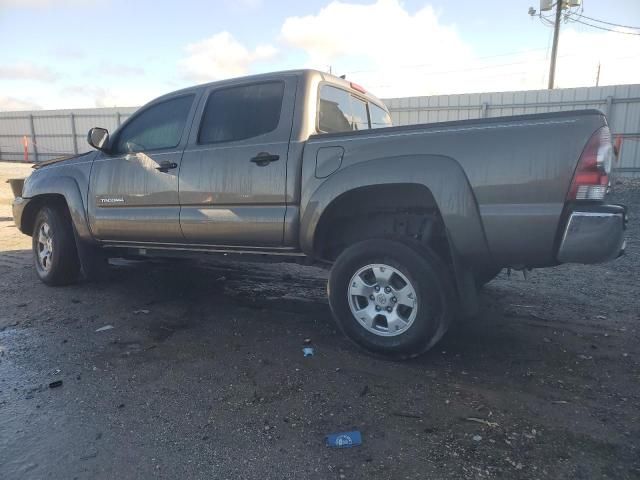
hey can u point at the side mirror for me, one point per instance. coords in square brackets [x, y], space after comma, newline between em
[98, 138]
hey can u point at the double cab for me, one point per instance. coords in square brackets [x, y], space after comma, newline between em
[305, 166]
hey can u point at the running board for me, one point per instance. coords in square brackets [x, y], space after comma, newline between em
[141, 249]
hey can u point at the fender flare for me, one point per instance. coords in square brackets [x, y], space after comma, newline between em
[68, 188]
[442, 175]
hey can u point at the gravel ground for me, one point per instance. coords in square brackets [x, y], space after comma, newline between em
[202, 376]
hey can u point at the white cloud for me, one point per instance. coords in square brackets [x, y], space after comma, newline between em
[221, 56]
[117, 70]
[9, 104]
[382, 32]
[580, 52]
[27, 71]
[398, 53]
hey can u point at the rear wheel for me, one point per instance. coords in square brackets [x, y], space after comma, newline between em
[391, 297]
[54, 247]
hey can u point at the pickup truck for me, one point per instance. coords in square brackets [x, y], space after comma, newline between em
[305, 166]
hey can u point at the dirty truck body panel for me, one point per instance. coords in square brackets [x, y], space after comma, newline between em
[500, 185]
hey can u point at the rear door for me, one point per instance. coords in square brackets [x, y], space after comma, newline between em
[133, 194]
[233, 173]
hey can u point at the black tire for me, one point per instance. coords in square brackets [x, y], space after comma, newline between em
[62, 266]
[429, 278]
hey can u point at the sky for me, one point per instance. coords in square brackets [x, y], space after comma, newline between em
[104, 53]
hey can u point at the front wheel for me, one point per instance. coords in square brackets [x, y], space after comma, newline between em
[391, 297]
[54, 247]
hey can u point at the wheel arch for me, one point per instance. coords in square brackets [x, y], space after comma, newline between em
[62, 191]
[438, 180]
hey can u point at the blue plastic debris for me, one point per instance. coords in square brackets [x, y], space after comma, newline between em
[307, 351]
[344, 439]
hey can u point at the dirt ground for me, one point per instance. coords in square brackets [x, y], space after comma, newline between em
[203, 376]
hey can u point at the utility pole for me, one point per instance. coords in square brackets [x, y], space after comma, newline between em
[554, 49]
[598, 76]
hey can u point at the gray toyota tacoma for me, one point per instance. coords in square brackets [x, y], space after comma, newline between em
[304, 166]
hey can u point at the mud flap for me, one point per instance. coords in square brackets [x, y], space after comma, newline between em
[93, 262]
[469, 304]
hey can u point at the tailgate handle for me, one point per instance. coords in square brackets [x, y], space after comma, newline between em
[264, 158]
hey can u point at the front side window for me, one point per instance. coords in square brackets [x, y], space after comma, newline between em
[239, 113]
[379, 117]
[159, 126]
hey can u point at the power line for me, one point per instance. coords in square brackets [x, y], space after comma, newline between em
[421, 65]
[605, 29]
[608, 23]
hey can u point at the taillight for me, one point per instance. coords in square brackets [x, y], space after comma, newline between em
[357, 87]
[591, 180]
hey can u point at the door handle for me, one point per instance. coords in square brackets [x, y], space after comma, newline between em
[166, 165]
[264, 158]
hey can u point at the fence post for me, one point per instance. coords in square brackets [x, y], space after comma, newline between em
[72, 118]
[484, 109]
[118, 118]
[33, 138]
[608, 108]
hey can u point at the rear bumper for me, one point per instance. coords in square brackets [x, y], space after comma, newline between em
[593, 234]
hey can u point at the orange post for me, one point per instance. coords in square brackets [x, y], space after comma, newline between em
[617, 146]
[25, 144]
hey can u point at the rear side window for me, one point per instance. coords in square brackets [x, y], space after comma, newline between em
[379, 117]
[159, 126]
[239, 113]
[340, 111]
[359, 117]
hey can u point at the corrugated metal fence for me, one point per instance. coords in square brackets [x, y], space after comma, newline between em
[621, 104]
[52, 133]
[61, 132]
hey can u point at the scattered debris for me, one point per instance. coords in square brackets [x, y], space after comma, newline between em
[306, 341]
[559, 401]
[56, 384]
[344, 439]
[516, 465]
[93, 454]
[483, 421]
[406, 415]
[106, 327]
[477, 438]
[56, 371]
[221, 279]
[364, 390]
[142, 310]
[585, 357]
[601, 317]
[308, 351]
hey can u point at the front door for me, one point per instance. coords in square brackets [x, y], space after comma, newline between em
[234, 170]
[133, 194]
